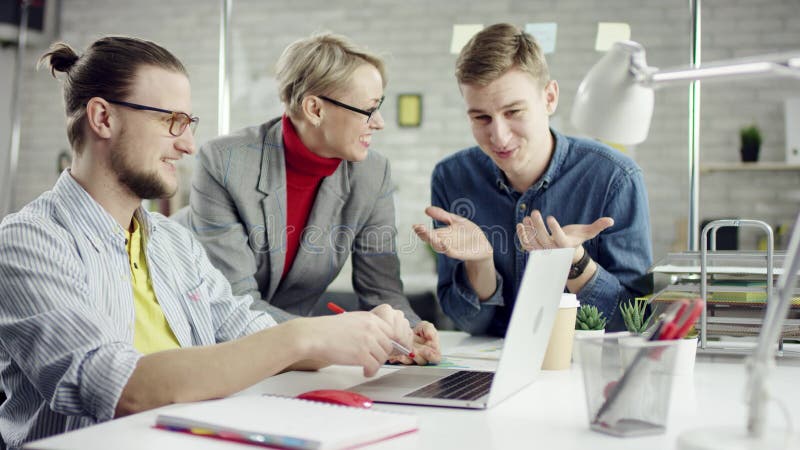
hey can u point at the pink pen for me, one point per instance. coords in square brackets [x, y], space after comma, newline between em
[339, 310]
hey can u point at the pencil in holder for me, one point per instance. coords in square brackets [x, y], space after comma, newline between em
[627, 382]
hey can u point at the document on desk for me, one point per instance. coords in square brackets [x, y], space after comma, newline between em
[477, 348]
[452, 362]
[284, 422]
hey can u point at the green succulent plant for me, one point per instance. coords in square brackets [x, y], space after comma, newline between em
[751, 135]
[589, 318]
[635, 315]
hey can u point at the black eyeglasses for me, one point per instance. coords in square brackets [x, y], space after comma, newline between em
[178, 122]
[366, 112]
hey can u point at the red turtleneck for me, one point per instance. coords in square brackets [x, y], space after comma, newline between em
[304, 174]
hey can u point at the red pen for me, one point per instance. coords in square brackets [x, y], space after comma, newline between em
[339, 310]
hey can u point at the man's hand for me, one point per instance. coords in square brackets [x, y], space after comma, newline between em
[463, 240]
[426, 346]
[533, 235]
[460, 239]
[356, 338]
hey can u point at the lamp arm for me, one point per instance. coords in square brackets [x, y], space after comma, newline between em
[762, 360]
[642, 73]
[772, 65]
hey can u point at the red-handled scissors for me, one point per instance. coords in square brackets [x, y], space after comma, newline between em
[685, 317]
[674, 324]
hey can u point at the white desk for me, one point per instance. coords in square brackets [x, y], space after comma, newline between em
[549, 414]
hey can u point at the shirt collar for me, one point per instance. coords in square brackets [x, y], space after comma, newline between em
[560, 148]
[146, 223]
[93, 217]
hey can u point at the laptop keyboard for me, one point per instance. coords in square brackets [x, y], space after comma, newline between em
[462, 385]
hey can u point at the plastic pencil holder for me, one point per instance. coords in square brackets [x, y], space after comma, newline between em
[627, 382]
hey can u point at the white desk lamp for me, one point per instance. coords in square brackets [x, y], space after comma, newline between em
[615, 102]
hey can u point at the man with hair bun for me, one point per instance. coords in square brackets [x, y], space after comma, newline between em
[108, 309]
[280, 207]
[490, 203]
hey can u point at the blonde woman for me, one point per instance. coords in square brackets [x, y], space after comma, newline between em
[281, 206]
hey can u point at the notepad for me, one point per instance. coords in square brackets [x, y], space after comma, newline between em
[284, 422]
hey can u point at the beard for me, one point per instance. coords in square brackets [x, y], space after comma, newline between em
[146, 185]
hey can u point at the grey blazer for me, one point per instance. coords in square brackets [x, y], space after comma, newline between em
[238, 211]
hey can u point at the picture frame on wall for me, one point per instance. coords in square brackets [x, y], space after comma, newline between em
[409, 110]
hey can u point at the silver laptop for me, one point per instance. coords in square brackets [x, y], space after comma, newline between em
[523, 351]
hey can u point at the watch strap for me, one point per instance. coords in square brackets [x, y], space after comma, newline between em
[577, 269]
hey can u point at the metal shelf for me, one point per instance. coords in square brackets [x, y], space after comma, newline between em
[720, 288]
[720, 262]
[765, 166]
[704, 273]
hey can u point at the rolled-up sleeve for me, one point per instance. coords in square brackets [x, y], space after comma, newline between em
[460, 301]
[73, 354]
[623, 252]
[458, 298]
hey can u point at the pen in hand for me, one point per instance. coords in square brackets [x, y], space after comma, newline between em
[339, 310]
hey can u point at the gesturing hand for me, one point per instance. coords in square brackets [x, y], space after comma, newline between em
[533, 235]
[460, 239]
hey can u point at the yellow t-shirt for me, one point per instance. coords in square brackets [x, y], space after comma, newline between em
[152, 332]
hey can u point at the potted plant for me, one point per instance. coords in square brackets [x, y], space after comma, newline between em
[637, 318]
[589, 318]
[635, 315]
[589, 321]
[685, 354]
[751, 143]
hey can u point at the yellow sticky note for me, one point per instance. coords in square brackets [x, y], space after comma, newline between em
[610, 32]
[461, 35]
[409, 110]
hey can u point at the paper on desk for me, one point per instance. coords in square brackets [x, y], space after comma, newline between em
[476, 348]
[450, 362]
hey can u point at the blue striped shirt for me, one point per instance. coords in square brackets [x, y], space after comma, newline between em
[66, 308]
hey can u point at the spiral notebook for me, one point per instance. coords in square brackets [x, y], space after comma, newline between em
[285, 422]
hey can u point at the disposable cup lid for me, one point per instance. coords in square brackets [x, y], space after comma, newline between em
[569, 301]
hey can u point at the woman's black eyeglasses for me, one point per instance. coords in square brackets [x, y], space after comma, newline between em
[366, 112]
[178, 122]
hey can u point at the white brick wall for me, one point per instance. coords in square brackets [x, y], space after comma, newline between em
[7, 66]
[415, 37]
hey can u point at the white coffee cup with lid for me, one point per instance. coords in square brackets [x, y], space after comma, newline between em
[559, 349]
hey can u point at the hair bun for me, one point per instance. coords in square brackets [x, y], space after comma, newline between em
[61, 57]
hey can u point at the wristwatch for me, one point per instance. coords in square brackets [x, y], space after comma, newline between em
[577, 269]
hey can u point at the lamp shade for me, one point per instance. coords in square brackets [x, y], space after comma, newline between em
[611, 104]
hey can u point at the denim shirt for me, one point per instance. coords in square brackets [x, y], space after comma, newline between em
[584, 181]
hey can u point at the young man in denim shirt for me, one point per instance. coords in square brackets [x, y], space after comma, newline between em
[490, 201]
